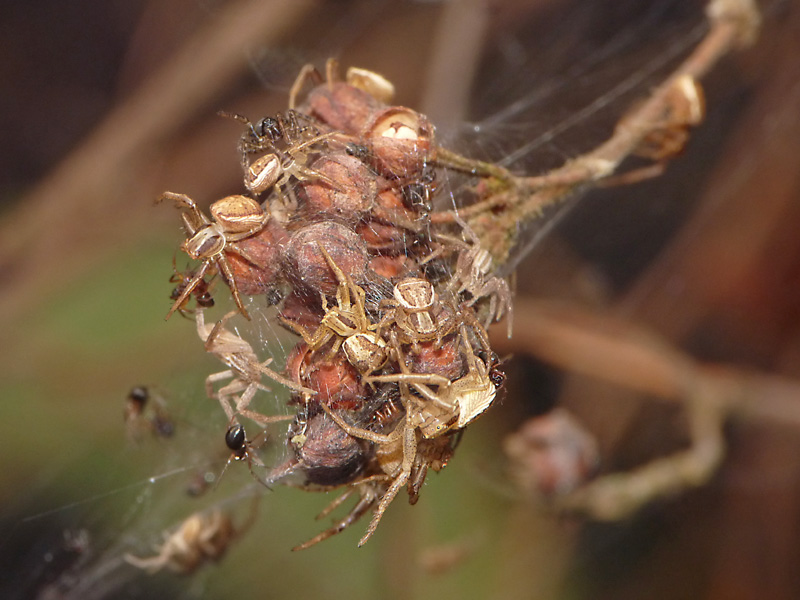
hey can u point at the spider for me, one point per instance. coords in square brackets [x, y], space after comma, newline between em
[199, 539]
[347, 324]
[427, 417]
[234, 218]
[139, 419]
[378, 89]
[276, 166]
[244, 368]
[243, 449]
[472, 275]
[416, 311]
[201, 291]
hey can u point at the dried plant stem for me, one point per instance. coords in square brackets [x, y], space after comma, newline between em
[629, 356]
[97, 178]
[503, 203]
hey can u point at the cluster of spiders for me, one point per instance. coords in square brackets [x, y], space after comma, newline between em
[390, 306]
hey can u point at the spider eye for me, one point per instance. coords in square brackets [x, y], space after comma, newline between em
[270, 128]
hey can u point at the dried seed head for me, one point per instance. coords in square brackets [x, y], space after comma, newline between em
[401, 141]
[327, 454]
[238, 214]
[256, 261]
[306, 265]
[335, 380]
[371, 82]
[443, 358]
[355, 196]
[342, 106]
[392, 267]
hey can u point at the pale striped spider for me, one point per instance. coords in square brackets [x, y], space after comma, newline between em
[274, 167]
[234, 219]
[347, 324]
[428, 415]
[244, 369]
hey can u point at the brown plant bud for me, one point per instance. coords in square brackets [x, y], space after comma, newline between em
[256, 261]
[401, 142]
[335, 380]
[342, 106]
[302, 309]
[357, 187]
[307, 266]
[393, 267]
[443, 358]
[327, 454]
[384, 232]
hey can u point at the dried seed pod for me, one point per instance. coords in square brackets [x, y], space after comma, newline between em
[390, 228]
[552, 454]
[443, 358]
[401, 142]
[355, 196]
[301, 309]
[335, 380]
[308, 268]
[342, 106]
[393, 267]
[327, 455]
[256, 261]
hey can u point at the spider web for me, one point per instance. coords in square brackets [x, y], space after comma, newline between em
[546, 90]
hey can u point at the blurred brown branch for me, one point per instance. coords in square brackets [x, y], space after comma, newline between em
[105, 173]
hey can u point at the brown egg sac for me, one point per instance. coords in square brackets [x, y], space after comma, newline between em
[256, 261]
[353, 197]
[341, 106]
[306, 265]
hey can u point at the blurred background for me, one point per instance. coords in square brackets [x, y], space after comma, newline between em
[107, 104]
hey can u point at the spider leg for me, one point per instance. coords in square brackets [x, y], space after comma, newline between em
[364, 434]
[367, 500]
[224, 267]
[308, 72]
[409, 453]
[193, 283]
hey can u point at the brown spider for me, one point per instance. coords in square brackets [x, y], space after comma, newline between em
[347, 324]
[244, 368]
[234, 218]
[433, 415]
